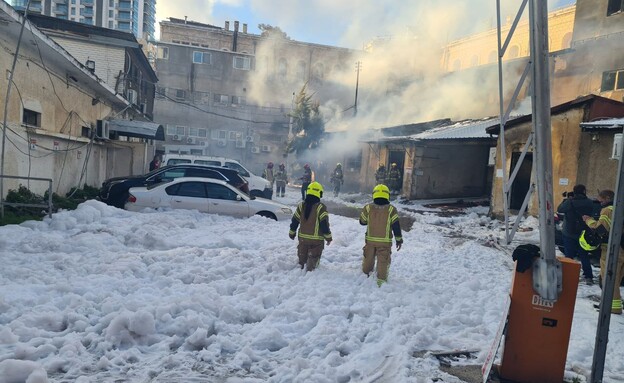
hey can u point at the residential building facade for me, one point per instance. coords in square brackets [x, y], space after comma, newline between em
[133, 16]
[226, 92]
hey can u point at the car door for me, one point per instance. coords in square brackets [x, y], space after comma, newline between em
[188, 195]
[225, 201]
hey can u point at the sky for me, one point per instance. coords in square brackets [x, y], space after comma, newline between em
[348, 23]
[103, 294]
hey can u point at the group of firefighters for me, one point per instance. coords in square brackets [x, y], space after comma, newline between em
[391, 178]
[310, 223]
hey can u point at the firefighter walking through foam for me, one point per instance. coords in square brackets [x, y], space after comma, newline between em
[313, 221]
[603, 227]
[382, 221]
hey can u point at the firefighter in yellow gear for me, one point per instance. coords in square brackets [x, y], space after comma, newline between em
[382, 221]
[313, 221]
[603, 224]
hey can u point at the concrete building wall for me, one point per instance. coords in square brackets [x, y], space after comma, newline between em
[597, 170]
[109, 60]
[566, 137]
[592, 20]
[481, 48]
[449, 170]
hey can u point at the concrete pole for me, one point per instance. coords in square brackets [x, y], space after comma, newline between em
[545, 273]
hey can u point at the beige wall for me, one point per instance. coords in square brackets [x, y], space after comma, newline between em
[566, 138]
[60, 150]
[597, 170]
[481, 48]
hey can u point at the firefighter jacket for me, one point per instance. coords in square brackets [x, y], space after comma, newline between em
[315, 227]
[394, 175]
[382, 220]
[380, 176]
[268, 175]
[604, 222]
[337, 176]
[281, 176]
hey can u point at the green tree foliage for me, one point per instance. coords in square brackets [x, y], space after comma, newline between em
[267, 30]
[308, 124]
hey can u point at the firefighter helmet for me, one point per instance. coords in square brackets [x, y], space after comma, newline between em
[306, 166]
[315, 189]
[381, 191]
[270, 165]
[394, 164]
[589, 240]
[338, 165]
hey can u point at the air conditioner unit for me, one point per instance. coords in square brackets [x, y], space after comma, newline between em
[102, 129]
[203, 143]
[177, 138]
[190, 140]
[131, 96]
[249, 138]
[266, 148]
[240, 144]
[255, 149]
[222, 143]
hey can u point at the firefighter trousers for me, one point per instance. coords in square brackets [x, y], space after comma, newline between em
[382, 254]
[616, 305]
[309, 253]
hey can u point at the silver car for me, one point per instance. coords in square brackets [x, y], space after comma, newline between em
[206, 195]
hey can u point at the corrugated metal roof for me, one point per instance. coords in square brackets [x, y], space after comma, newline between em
[612, 123]
[461, 130]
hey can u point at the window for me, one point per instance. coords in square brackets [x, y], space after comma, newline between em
[282, 67]
[221, 98]
[238, 100]
[202, 132]
[111, 3]
[201, 58]
[242, 63]
[615, 6]
[202, 97]
[241, 170]
[171, 130]
[180, 94]
[163, 53]
[193, 132]
[111, 13]
[187, 189]
[216, 191]
[31, 118]
[219, 135]
[111, 24]
[612, 80]
[73, 11]
[180, 130]
[233, 136]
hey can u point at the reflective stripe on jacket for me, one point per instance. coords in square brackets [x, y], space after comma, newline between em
[316, 227]
[381, 222]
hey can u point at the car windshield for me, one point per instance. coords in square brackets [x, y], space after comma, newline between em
[175, 161]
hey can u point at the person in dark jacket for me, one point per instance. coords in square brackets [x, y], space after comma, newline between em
[306, 179]
[312, 219]
[573, 208]
[156, 162]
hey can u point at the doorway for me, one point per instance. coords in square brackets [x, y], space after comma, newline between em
[522, 183]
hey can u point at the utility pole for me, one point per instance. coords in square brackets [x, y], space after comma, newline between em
[358, 67]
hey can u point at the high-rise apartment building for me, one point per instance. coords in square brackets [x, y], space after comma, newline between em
[135, 16]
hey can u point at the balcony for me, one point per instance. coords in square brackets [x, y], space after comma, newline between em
[60, 10]
[123, 16]
[86, 2]
[125, 5]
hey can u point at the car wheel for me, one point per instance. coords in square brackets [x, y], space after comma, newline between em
[267, 214]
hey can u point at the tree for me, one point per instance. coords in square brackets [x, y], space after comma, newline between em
[308, 124]
[271, 31]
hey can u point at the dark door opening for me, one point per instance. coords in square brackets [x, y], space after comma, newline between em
[396, 157]
[521, 184]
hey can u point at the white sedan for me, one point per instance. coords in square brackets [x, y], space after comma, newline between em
[206, 195]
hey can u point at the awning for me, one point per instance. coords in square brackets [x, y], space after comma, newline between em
[139, 129]
[612, 123]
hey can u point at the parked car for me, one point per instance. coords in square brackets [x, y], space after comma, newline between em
[206, 195]
[258, 186]
[114, 191]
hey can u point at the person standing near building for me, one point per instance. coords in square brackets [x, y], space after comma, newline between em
[156, 162]
[281, 179]
[573, 208]
[382, 221]
[306, 179]
[394, 179]
[267, 174]
[337, 179]
[312, 219]
[380, 175]
[603, 226]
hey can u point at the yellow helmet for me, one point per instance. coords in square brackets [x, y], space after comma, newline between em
[394, 164]
[381, 191]
[315, 189]
[588, 241]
